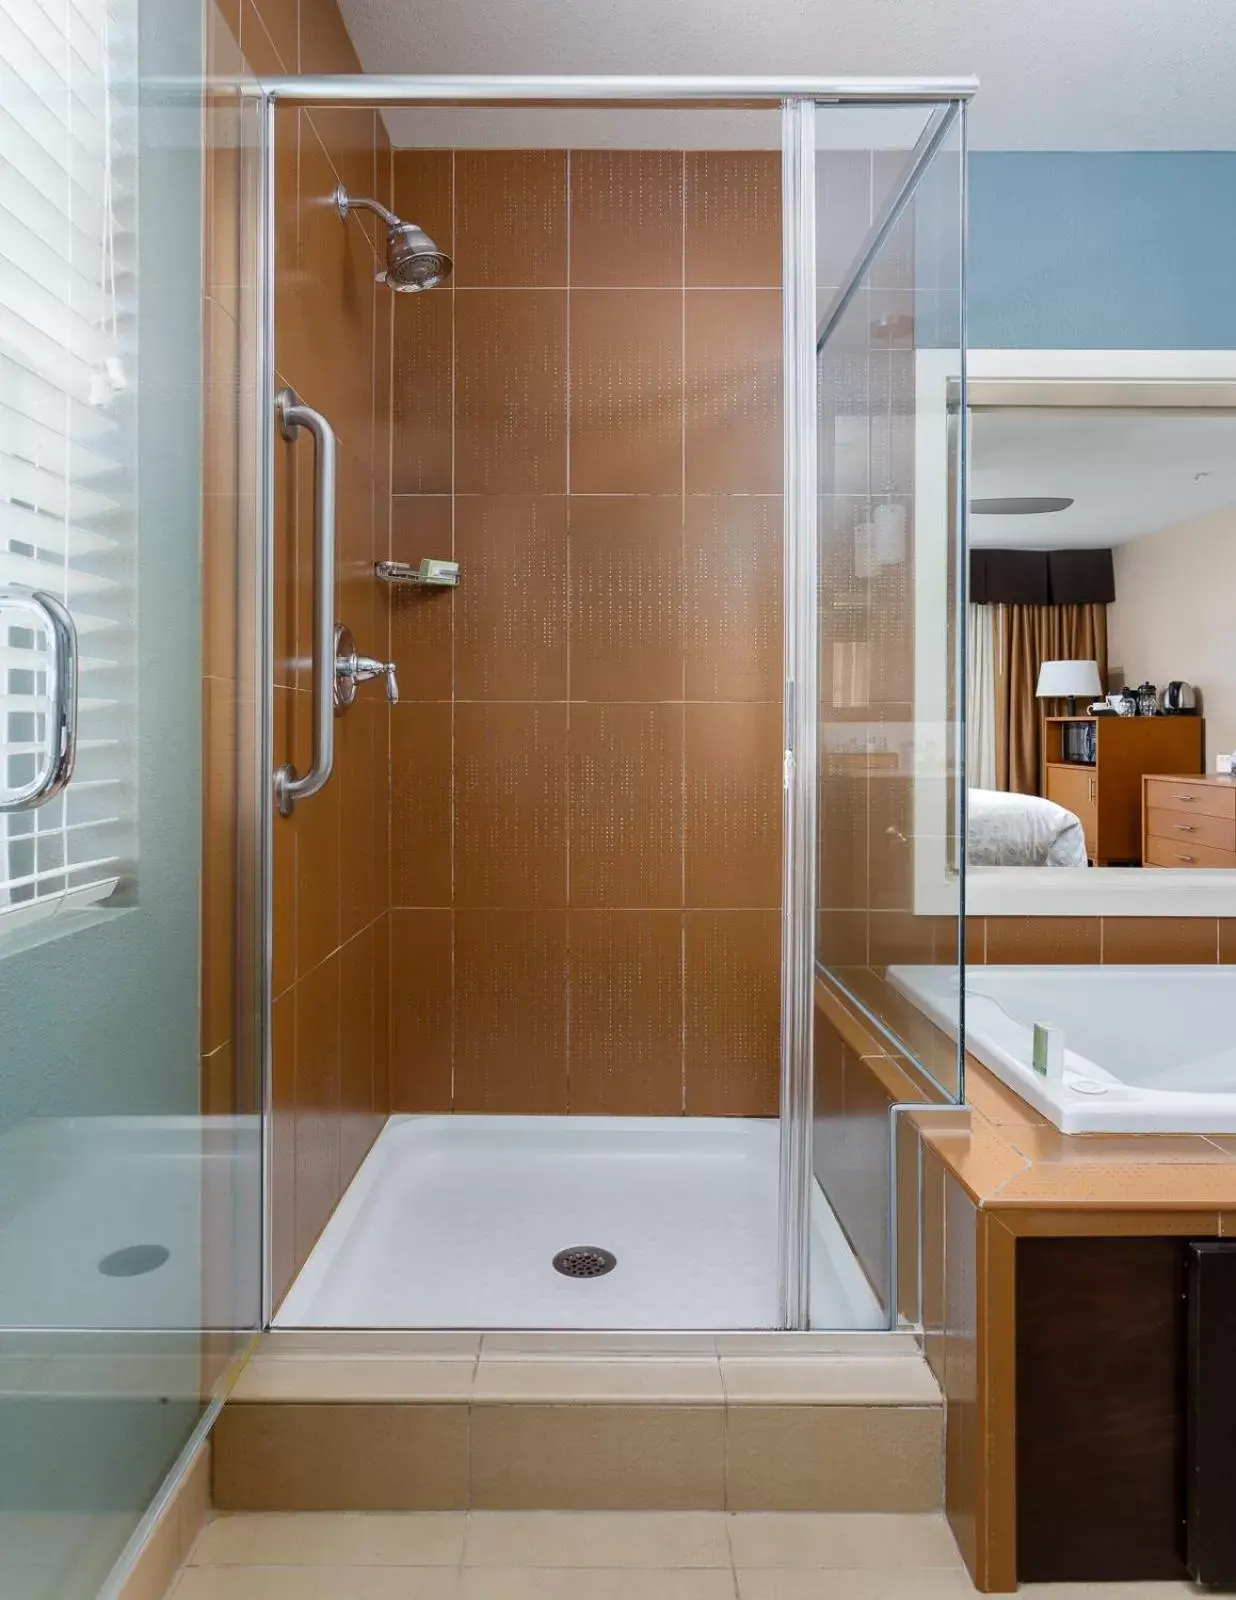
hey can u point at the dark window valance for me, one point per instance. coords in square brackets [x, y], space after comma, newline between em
[1042, 577]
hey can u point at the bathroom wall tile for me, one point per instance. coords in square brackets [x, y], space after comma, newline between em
[348, 1457]
[834, 1458]
[285, 1261]
[626, 404]
[220, 734]
[357, 1129]
[1040, 941]
[281, 22]
[511, 606]
[220, 400]
[605, 1457]
[421, 964]
[356, 589]
[510, 804]
[733, 391]
[733, 218]
[422, 620]
[626, 1013]
[1160, 940]
[732, 597]
[510, 397]
[421, 802]
[325, 45]
[626, 218]
[347, 133]
[332, 365]
[511, 218]
[733, 804]
[292, 736]
[626, 805]
[421, 436]
[382, 1016]
[732, 1002]
[423, 194]
[317, 1101]
[318, 895]
[1227, 939]
[843, 194]
[626, 598]
[843, 840]
[510, 1012]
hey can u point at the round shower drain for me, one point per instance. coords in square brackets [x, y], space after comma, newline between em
[585, 1261]
[133, 1260]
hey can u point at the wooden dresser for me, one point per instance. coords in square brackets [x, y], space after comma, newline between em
[1188, 821]
[1106, 796]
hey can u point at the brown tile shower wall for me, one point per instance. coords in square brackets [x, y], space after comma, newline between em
[585, 766]
[333, 345]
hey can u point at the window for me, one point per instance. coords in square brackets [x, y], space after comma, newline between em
[67, 403]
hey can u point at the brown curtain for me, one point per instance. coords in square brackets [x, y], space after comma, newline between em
[1026, 636]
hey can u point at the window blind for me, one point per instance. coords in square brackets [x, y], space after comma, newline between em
[67, 473]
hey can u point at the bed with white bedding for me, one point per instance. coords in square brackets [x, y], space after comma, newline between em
[1022, 830]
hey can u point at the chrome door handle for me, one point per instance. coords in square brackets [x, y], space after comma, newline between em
[60, 742]
[293, 416]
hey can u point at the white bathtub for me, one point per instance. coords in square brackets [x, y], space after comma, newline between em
[1147, 1049]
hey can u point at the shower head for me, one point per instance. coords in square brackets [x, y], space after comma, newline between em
[413, 260]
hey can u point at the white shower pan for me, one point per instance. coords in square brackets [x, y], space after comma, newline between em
[453, 1222]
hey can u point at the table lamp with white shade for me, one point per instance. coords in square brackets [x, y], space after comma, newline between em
[1060, 680]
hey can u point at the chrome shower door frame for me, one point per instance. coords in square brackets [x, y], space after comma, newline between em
[797, 98]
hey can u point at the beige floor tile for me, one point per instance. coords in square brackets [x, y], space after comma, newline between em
[309, 1378]
[842, 1539]
[429, 1346]
[341, 1458]
[324, 1538]
[571, 1345]
[317, 1583]
[798, 1583]
[598, 1457]
[564, 1583]
[832, 1380]
[799, 1346]
[691, 1381]
[834, 1458]
[597, 1539]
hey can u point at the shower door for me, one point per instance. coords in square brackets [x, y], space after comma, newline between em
[129, 1246]
[875, 788]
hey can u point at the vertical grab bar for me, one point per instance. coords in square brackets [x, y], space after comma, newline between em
[60, 742]
[293, 416]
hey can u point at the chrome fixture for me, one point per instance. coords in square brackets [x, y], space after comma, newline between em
[293, 416]
[429, 574]
[352, 669]
[1020, 505]
[60, 736]
[413, 260]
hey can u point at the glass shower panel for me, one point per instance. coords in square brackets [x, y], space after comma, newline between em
[129, 1248]
[889, 310]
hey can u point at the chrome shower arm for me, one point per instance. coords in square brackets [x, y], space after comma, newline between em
[344, 202]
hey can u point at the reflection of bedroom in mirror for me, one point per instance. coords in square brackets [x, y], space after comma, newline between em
[1101, 674]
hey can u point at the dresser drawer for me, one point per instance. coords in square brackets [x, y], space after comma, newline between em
[1170, 853]
[1188, 827]
[1178, 794]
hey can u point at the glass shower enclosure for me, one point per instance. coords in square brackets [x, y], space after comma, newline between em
[873, 357]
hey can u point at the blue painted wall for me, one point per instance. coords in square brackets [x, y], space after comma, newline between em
[1120, 250]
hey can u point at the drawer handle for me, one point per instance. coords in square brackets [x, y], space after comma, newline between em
[1189, 799]
[1186, 858]
[1184, 827]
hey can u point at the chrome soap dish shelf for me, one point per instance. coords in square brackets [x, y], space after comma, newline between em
[427, 574]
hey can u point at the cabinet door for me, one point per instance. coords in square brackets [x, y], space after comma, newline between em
[1076, 789]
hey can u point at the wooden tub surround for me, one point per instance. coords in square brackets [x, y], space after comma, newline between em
[1051, 1293]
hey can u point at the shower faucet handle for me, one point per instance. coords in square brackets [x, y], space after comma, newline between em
[352, 668]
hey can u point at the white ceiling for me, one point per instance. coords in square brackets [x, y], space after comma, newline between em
[1128, 474]
[1066, 75]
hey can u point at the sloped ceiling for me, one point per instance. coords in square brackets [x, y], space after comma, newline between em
[1056, 74]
